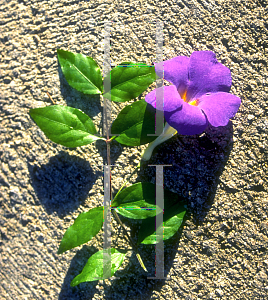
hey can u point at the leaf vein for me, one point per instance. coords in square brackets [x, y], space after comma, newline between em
[90, 82]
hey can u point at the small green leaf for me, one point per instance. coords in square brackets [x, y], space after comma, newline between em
[94, 266]
[137, 201]
[172, 220]
[81, 72]
[129, 80]
[65, 125]
[134, 123]
[85, 227]
[138, 210]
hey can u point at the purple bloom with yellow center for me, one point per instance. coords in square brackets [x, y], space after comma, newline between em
[199, 94]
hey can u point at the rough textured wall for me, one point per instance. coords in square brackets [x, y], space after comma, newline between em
[222, 251]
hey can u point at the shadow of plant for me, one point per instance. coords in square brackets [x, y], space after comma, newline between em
[63, 183]
[197, 162]
[83, 290]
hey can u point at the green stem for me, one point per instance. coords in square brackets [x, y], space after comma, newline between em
[135, 248]
[108, 141]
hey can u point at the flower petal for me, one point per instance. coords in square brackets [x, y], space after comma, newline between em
[207, 75]
[219, 107]
[171, 101]
[175, 71]
[187, 120]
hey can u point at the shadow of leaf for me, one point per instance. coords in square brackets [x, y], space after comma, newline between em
[84, 290]
[63, 183]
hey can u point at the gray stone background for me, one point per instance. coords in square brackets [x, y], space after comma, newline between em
[221, 253]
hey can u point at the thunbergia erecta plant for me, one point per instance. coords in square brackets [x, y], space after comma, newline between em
[197, 97]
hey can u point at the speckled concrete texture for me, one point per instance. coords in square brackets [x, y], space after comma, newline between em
[221, 253]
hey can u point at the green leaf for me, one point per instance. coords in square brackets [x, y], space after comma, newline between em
[137, 201]
[172, 220]
[133, 124]
[94, 266]
[129, 80]
[138, 210]
[65, 125]
[81, 72]
[85, 227]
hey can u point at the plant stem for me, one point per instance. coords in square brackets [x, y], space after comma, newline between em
[51, 99]
[126, 235]
[135, 248]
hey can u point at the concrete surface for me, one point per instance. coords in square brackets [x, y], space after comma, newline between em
[221, 253]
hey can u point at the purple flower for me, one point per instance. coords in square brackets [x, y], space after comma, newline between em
[199, 94]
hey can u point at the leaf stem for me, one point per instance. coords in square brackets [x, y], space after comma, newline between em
[135, 248]
[51, 99]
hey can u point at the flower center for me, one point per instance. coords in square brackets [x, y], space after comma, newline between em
[191, 102]
[184, 96]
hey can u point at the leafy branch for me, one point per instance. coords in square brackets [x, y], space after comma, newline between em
[71, 127]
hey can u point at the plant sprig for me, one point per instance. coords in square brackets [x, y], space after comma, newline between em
[71, 127]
